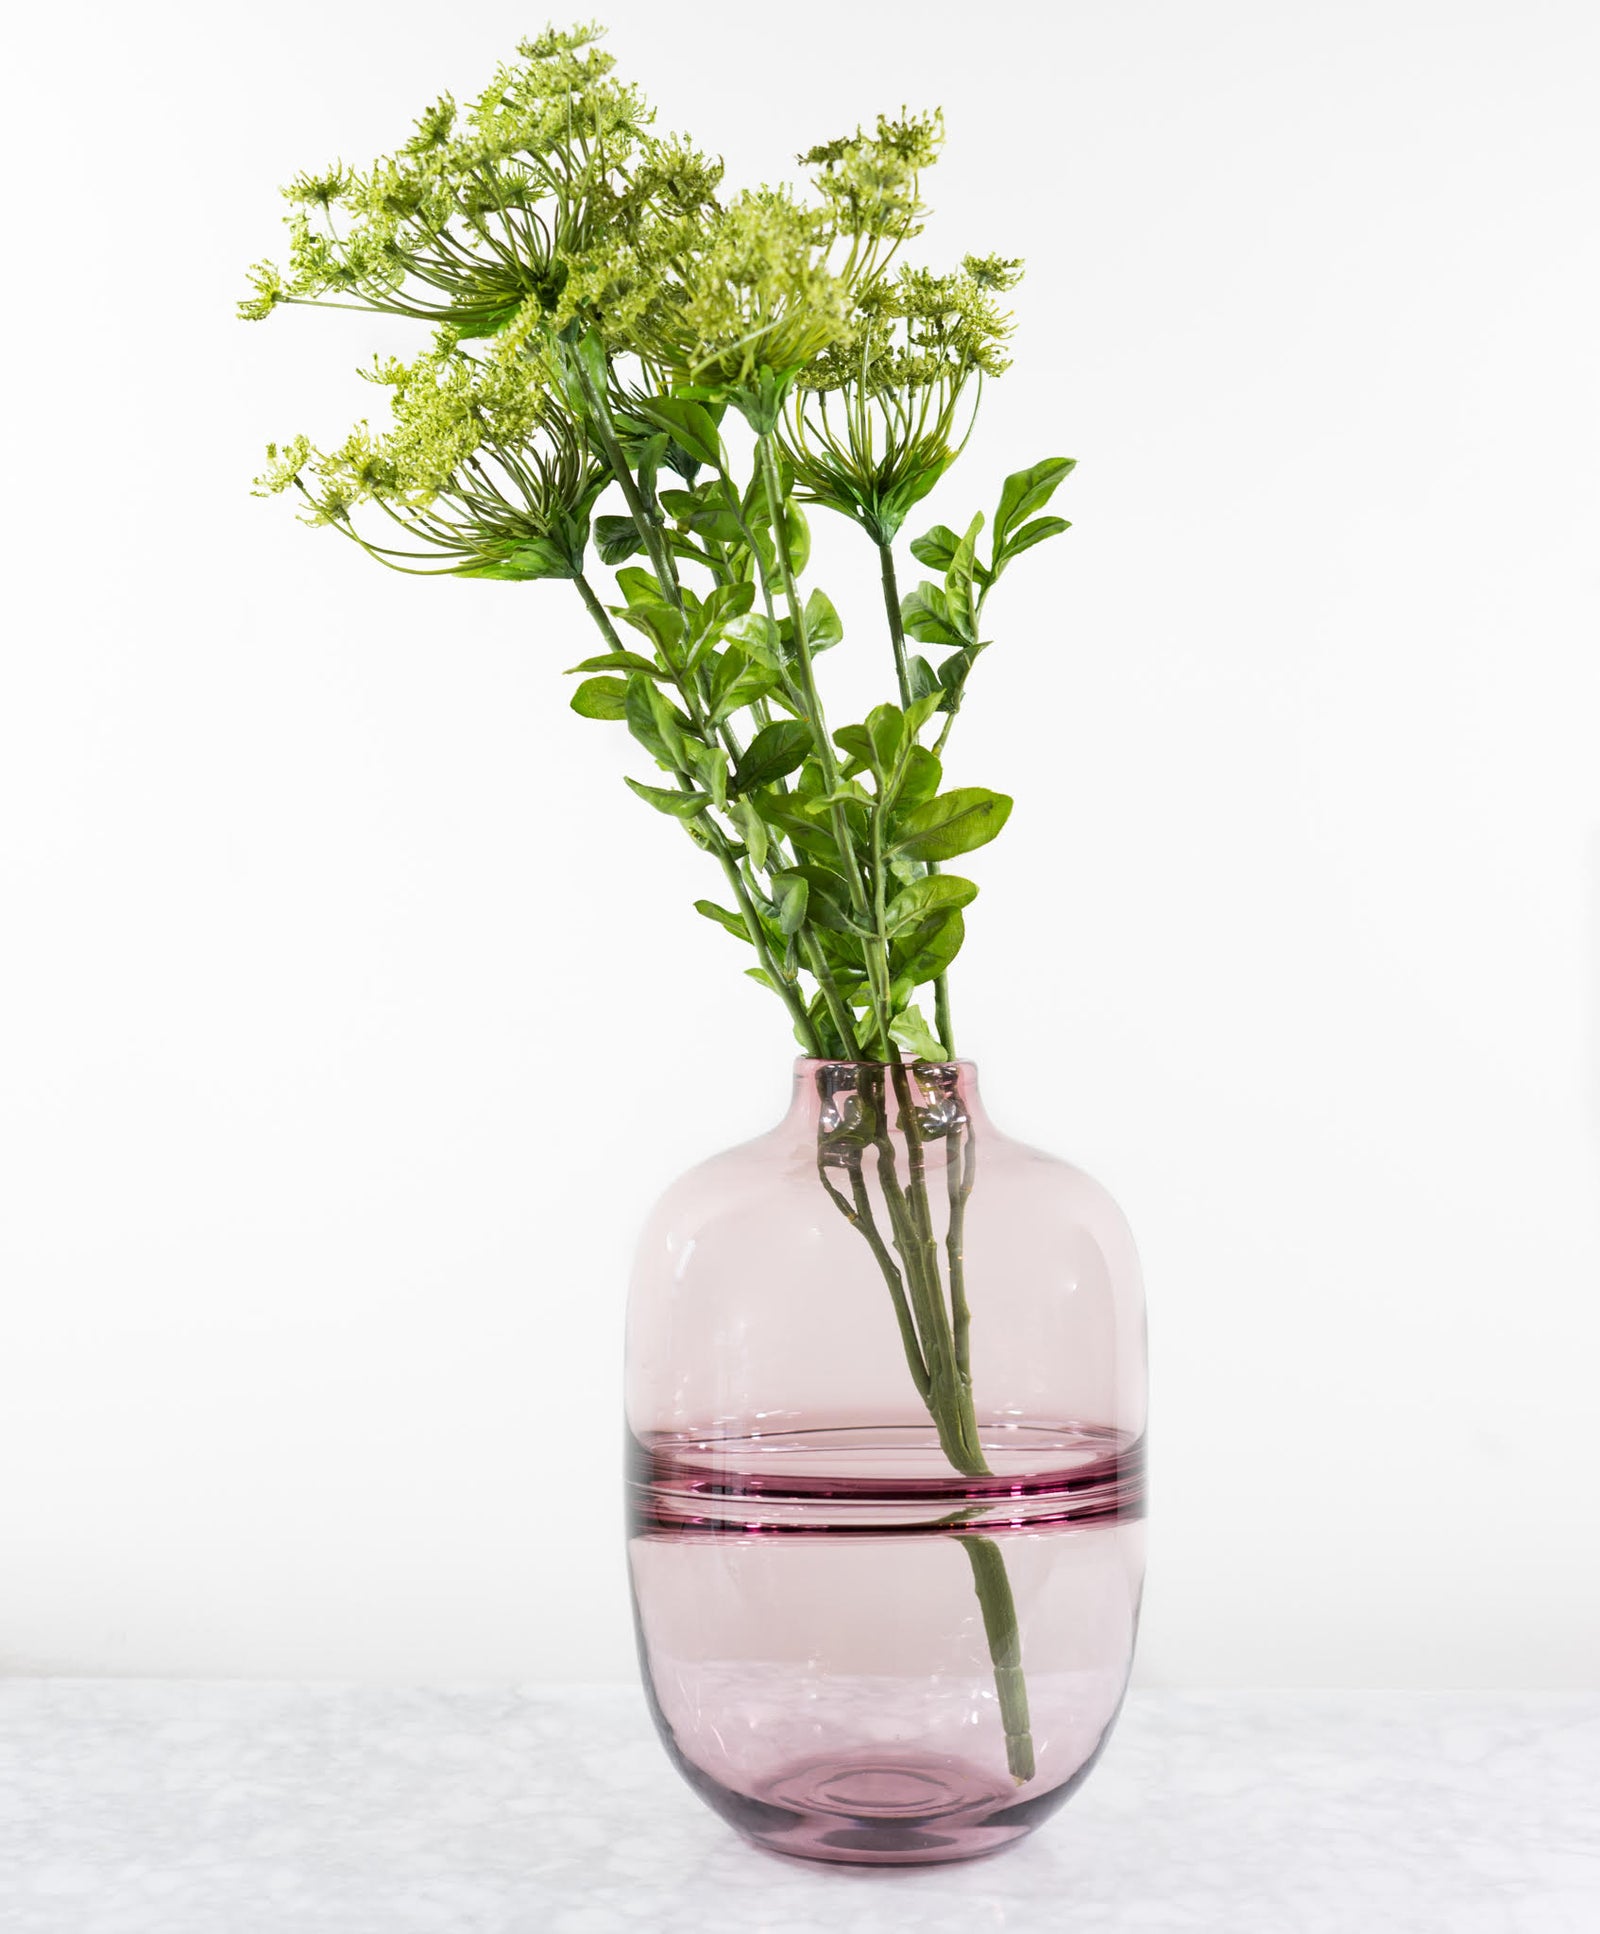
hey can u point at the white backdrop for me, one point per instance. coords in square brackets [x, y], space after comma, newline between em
[334, 948]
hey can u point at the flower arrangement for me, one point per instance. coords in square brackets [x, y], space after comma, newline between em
[633, 369]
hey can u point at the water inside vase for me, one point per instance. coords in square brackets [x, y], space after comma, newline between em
[816, 1652]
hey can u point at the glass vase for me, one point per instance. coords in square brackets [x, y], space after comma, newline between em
[885, 1408]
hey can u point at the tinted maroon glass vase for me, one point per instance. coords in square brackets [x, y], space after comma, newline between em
[885, 1401]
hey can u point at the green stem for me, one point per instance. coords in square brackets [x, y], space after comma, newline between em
[598, 612]
[936, 1344]
[822, 974]
[643, 520]
[731, 498]
[959, 1174]
[711, 835]
[956, 1392]
[840, 825]
[860, 1216]
[931, 1352]
[878, 957]
[788, 993]
[942, 1023]
[957, 1433]
[648, 525]
[999, 1608]
[897, 631]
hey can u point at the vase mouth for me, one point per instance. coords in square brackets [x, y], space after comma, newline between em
[810, 1064]
[818, 1084]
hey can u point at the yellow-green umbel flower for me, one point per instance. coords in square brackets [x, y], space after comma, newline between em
[871, 183]
[877, 423]
[753, 291]
[479, 472]
[476, 212]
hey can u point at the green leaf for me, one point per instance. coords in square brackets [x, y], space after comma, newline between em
[951, 823]
[474, 325]
[934, 894]
[735, 683]
[648, 454]
[755, 492]
[659, 623]
[728, 602]
[760, 399]
[723, 918]
[792, 896]
[618, 661]
[1029, 535]
[954, 672]
[752, 830]
[925, 613]
[601, 698]
[690, 425]
[591, 354]
[935, 548]
[921, 710]
[705, 512]
[822, 622]
[799, 532]
[616, 538]
[709, 764]
[653, 722]
[541, 559]
[1027, 491]
[774, 752]
[802, 832]
[756, 634]
[921, 778]
[501, 573]
[926, 952]
[678, 805]
[904, 494]
[958, 582]
[639, 586]
[912, 1031]
[848, 792]
[677, 458]
[886, 728]
[827, 896]
[924, 679]
[855, 742]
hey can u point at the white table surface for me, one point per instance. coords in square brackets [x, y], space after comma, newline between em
[131, 1807]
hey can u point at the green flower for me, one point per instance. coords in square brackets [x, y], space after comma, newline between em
[479, 472]
[475, 213]
[753, 291]
[871, 182]
[877, 424]
[284, 465]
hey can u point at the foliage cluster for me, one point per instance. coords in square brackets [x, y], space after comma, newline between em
[599, 305]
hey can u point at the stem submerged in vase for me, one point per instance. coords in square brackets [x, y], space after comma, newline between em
[935, 1333]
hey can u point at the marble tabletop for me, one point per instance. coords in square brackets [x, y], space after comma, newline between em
[137, 1807]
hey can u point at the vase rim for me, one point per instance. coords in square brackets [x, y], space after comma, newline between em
[806, 1062]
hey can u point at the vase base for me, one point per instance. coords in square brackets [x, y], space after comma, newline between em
[885, 1810]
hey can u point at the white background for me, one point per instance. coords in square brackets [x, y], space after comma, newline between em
[335, 951]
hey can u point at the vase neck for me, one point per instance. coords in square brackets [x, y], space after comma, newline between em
[827, 1093]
